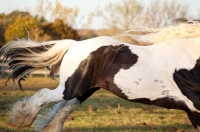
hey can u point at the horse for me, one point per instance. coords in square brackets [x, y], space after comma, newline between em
[165, 72]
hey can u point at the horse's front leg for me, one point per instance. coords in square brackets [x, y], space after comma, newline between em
[24, 112]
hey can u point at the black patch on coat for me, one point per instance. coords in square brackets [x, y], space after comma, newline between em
[188, 82]
[88, 94]
[97, 69]
[166, 102]
[123, 60]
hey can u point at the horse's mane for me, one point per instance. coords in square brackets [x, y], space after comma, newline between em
[182, 28]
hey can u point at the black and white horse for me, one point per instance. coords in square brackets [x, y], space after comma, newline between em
[165, 73]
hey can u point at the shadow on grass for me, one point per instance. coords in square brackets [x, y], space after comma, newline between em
[139, 128]
[3, 129]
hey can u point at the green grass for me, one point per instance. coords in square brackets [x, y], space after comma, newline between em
[102, 112]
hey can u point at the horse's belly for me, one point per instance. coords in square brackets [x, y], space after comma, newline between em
[152, 85]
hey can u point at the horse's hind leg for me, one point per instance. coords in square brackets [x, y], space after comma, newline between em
[195, 119]
[24, 112]
[54, 120]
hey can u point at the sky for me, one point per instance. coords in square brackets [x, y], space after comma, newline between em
[85, 6]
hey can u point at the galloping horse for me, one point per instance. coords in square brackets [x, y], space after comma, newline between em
[165, 73]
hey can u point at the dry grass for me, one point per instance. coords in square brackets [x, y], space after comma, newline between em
[102, 112]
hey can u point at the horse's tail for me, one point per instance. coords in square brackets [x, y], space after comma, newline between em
[26, 56]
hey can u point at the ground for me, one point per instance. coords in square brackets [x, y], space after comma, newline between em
[102, 112]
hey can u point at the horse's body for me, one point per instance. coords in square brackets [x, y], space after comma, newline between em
[165, 74]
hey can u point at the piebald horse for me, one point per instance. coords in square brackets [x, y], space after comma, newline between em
[165, 73]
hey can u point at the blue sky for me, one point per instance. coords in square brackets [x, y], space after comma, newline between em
[86, 6]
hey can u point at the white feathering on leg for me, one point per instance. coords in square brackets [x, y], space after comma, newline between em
[54, 120]
[23, 113]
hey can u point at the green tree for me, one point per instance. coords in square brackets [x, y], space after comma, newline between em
[8, 19]
[59, 30]
[16, 29]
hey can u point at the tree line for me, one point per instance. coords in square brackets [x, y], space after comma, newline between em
[115, 17]
[13, 25]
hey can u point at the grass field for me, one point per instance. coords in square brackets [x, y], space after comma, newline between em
[102, 112]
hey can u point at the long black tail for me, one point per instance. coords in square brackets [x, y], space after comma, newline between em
[26, 56]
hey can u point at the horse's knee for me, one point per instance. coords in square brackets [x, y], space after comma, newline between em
[45, 96]
[41, 98]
